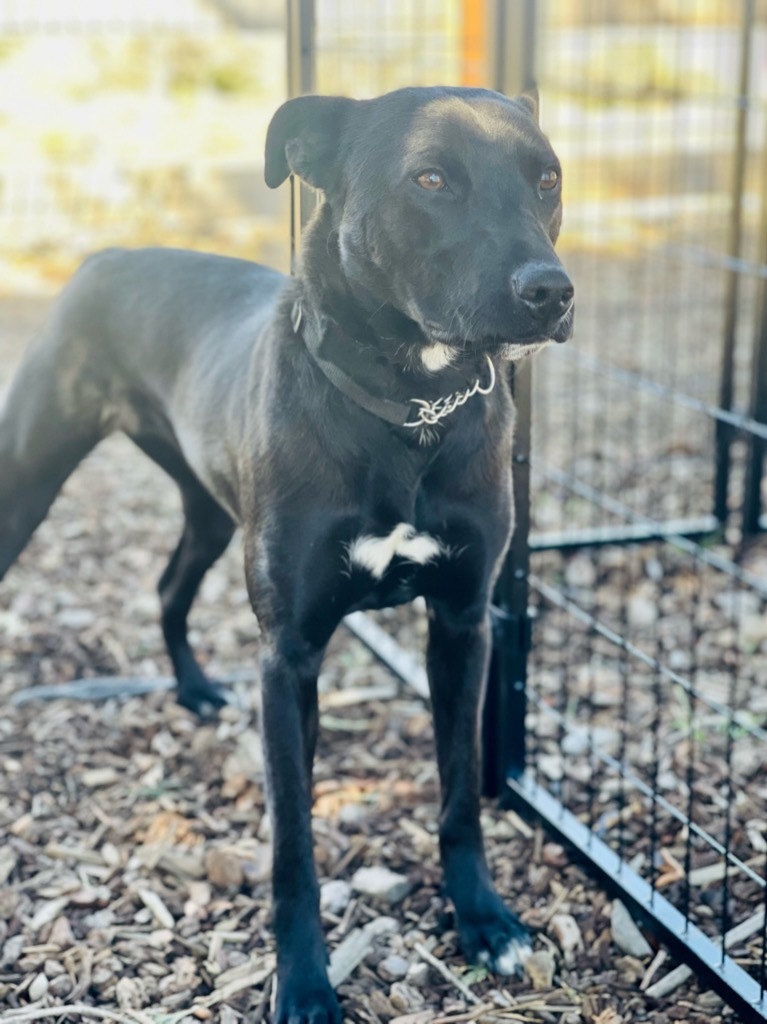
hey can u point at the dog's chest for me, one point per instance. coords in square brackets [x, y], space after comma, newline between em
[376, 554]
[390, 567]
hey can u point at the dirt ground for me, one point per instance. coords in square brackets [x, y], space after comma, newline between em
[135, 862]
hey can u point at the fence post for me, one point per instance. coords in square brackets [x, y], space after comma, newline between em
[724, 432]
[503, 723]
[506, 696]
[302, 79]
[752, 491]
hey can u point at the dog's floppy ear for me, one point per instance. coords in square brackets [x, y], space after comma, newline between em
[530, 100]
[304, 138]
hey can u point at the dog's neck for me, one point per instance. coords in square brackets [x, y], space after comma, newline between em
[376, 344]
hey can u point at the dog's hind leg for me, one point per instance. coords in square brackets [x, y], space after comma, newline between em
[207, 532]
[208, 528]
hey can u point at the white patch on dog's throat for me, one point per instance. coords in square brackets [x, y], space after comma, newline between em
[437, 356]
[376, 553]
[513, 353]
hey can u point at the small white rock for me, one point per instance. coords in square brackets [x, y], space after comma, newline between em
[626, 935]
[581, 571]
[642, 611]
[381, 883]
[335, 896]
[753, 632]
[352, 815]
[393, 968]
[601, 737]
[129, 994]
[75, 618]
[38, 988]
[737, 603]
[551, 766]
[418, 974]
[540, 968]
[404, 998]
[565, 930]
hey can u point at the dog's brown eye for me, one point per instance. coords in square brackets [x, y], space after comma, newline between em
[549, 180]
[433, 181]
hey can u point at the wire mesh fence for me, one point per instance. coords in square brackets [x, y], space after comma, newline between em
[138, 124]
[647, 675]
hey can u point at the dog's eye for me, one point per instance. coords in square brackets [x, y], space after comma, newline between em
[549, 180]
[432, 181]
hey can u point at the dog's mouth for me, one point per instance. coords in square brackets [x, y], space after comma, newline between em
[445, 349]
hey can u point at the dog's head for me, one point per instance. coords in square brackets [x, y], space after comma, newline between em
[447, 203]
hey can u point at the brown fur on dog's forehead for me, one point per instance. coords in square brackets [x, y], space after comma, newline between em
[450, 119]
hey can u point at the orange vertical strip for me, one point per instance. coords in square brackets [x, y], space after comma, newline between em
[474, 42]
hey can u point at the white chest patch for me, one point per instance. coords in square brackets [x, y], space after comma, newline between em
[376, 553]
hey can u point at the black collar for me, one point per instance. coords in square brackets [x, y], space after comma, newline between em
[418, 414]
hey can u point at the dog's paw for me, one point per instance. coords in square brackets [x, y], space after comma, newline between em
[302, 1004]
[204, 698]
[496, 939]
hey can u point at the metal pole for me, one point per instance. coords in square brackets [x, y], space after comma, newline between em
[724, 432]
[302, 75]
[512, 39]
[506, 695]
[752, 491]
[301, 47]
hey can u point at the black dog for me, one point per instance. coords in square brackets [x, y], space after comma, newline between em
[355, 421]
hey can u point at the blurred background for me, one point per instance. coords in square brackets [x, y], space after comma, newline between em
[145, 123]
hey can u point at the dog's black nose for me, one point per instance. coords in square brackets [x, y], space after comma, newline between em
[545, 289]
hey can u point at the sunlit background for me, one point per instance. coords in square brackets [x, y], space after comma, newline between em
[144, 123]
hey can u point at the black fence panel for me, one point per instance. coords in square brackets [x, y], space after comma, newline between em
[648, 676]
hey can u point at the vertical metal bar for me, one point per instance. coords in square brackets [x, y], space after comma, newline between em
[692, 745]
[752, 499]
[591, 783]
[623, 724]
[763, 953]
[657, 702]
[724, 432]
[736, 618]
[292, 224]
[514, 35]
[301, 47]
[302, 76]
[506, 697]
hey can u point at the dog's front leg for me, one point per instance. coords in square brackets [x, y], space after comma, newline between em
[458, 654]
[289, 726]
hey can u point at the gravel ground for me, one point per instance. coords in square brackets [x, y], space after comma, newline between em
[136, 862]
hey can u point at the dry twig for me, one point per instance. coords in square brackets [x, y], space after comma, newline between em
[446, 973]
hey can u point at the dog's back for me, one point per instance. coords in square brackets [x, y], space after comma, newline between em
[151, 342]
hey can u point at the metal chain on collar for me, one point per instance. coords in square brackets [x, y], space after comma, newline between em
[430, 413]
